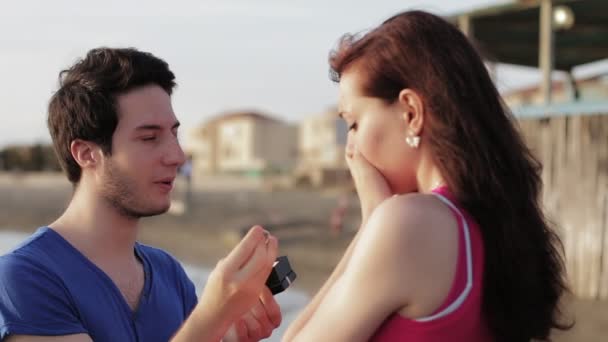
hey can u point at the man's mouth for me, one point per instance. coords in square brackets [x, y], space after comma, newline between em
[166, 183]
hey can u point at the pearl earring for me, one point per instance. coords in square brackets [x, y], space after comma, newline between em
[413, 141]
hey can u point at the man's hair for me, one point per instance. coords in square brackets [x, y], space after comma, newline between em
[84, 107]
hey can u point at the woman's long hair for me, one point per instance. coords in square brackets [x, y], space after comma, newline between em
[483, 158]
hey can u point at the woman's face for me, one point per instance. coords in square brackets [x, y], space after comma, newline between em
[378, 130]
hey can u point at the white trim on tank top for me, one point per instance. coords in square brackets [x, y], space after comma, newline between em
[469, 255]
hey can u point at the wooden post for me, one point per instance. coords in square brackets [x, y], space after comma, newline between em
[546, 53]
[572, 86]
[464, 23]
[466, 26]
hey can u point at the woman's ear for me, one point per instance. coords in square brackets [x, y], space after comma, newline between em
[85, 153]
[413, 110]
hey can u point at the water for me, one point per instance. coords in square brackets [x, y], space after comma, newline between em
[290, 301]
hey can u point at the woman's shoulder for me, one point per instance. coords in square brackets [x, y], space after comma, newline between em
[415, 237]
[413, 213]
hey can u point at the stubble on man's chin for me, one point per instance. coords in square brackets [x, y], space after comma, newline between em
[123, 204]
[119, 193]
[134, 214]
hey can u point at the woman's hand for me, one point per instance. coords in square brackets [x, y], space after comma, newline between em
[371, 185]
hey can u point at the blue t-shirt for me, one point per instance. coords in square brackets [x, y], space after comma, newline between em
[47, 287]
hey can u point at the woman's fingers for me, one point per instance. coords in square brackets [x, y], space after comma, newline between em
[372, 187]
[359, 160]
[361, 169]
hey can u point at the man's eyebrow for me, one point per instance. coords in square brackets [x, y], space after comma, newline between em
[155, 127]
[148, 127]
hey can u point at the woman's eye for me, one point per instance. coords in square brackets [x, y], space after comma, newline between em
[151, 138]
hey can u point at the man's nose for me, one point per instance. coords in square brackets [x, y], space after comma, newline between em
[175, 155]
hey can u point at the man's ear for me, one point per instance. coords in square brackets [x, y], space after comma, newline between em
[413, 110]
[87, 154]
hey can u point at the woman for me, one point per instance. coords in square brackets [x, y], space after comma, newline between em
[454, 245]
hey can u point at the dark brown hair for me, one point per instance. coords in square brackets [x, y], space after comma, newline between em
[84, 106]
[487, 166]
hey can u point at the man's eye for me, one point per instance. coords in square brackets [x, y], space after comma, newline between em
[353, 126]
[150, 138]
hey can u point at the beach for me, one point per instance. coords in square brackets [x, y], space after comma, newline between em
[219, 215]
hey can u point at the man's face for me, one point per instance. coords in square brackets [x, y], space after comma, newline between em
[137, 178]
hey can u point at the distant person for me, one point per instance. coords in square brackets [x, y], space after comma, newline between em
[186, 171]
[85, 277]
[454, 245]
[336, 221]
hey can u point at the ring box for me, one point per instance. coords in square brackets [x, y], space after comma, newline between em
[281, 276]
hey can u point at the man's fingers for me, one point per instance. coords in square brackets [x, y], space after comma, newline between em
[241, 331]
[272, 248]
[236, 333]
[254, 329]
[266, 326]
[273, 311]
[260, 262]
[245, 249]
[253, 265]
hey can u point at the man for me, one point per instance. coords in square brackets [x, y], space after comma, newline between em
[84, 277]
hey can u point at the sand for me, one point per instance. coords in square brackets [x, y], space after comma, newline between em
[217, 217]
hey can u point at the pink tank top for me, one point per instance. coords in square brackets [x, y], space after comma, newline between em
[460, 316]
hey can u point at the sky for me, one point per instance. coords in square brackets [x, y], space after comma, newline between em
[264, 55]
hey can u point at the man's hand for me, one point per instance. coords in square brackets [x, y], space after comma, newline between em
[258, 323]
[232, 289]
[371, 185]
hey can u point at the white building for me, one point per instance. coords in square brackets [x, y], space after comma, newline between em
[322, 140]
[246, 143]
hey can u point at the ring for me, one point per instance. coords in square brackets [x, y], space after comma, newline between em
[266, 237]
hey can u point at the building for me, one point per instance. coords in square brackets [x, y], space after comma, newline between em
[321, 144]
[243, 143]
[585, 89]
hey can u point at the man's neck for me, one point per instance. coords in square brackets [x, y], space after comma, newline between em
[97, 229]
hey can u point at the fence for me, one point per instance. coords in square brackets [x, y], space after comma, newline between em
[574, 151]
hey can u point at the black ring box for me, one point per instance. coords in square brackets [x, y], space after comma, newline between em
[281, 276]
